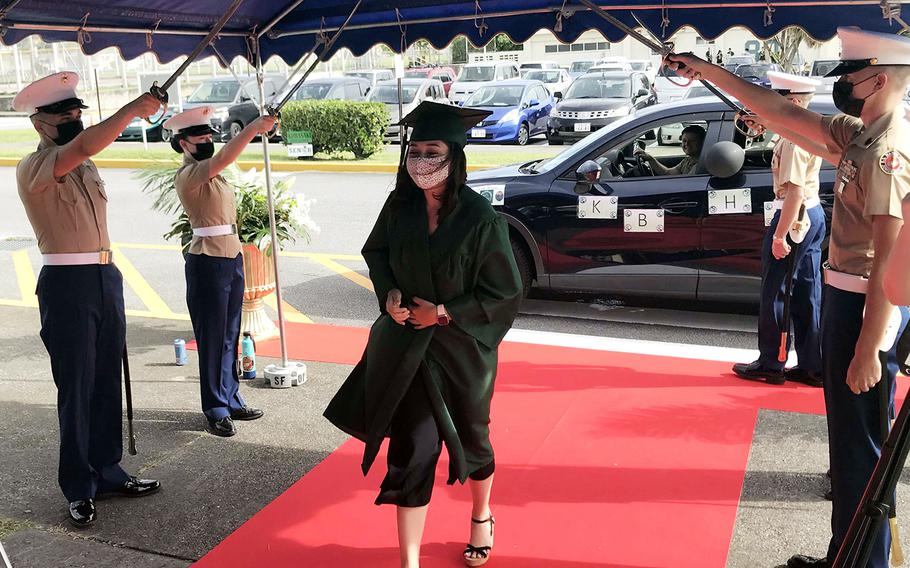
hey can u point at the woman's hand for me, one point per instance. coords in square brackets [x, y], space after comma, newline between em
[394, 309]
[423, 314]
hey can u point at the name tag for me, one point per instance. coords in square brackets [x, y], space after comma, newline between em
[643, 221]
[728, 201]
[597, 207]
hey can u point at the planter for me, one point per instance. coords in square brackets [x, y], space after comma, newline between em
[259, 282]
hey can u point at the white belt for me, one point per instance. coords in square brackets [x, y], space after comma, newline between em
[215, 231]
[846, 282]
[78, 258]
[810, 203]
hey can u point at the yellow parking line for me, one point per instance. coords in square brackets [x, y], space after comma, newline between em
[290, 312]
[355, 277]
[149, 297]
[25, 276]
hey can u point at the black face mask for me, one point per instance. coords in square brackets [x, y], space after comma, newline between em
[842, 94]
[67, 131]
[204, 151]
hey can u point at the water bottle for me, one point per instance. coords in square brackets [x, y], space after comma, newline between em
[248, 356]
[180, 351]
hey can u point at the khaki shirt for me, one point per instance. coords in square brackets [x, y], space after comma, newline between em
[69, 215]
[791, 164]
[687, 165]
[872, 178]
[208, 201]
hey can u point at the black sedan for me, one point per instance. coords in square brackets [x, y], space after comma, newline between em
[595, 100]
[695, 236]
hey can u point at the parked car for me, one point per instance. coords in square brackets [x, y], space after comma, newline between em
[225, 93]
[537, 65]
[595, 100]
[556, 80]
[154, 131]
[739, 60]
[697, 256]
[520, 110]
[580, 67]
[757, 73]
[611, 66]
[446, 75]
[235, 117]
[372, 75]
[476, 75]
[413, 92]
[821, 68]
[644, 66]
[669, 86]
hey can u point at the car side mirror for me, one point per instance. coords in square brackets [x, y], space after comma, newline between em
[724, 159]
[533, 103]
[245, 99]
[587, 175]
[643, 92]
[557, 95]
[649, 135]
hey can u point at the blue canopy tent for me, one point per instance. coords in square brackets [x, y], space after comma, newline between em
[289, 29]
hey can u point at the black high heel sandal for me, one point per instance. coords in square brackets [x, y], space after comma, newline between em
[481, 553]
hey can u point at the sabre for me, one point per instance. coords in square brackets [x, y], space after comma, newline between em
[129, 402]
[276, 110]
[160, 92]
[884, 407]
[788, 293]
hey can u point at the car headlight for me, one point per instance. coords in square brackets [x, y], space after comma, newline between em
[511, 116]
[221, 114]
[619, 111]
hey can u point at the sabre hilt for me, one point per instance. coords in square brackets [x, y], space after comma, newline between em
[272, 111]
[752, 129]
[162, 97]
[668, 50]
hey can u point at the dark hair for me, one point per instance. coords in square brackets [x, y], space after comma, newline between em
[696, 130]
[175, 142]
[406, 189]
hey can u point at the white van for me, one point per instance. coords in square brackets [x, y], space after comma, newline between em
[476, 75]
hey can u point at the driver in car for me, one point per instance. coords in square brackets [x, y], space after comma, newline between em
[693, 138]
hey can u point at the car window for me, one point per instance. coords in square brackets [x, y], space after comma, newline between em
[352, 91]
[644, 83]
[476, 74]
[663, 142]
[542, 94]
[600, 87]
[496, 96]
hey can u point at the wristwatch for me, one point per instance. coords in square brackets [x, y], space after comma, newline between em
[442, 317]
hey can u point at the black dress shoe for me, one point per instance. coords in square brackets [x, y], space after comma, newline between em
[800, 561]
[82, 513]
[799, 375]
[224, 427]
[755, 372]
[246, 413]
[133, 488]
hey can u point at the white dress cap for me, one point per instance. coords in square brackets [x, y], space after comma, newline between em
[52, 94]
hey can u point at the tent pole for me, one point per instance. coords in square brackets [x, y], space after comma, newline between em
[268, 27]
[268, 187]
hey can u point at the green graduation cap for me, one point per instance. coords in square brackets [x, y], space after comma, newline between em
[437, 121]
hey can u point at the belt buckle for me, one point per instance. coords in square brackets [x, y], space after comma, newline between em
[233, 229]
[105, 257]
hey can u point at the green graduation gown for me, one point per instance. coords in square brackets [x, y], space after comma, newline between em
[467, 264]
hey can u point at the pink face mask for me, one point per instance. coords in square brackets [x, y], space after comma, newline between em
[428, 173]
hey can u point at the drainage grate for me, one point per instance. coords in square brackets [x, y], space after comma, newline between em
[17, 243]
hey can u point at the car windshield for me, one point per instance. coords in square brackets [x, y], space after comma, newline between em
[215, 92]
[389, 94]
[581, 66]
[760, 71]
[416, 74]
[600, 88]
[531, 66]
[822, 68]
[312, 91]
[475, 74]
[545, 76]
[500, 96]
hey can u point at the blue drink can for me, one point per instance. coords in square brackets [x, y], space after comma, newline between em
[180, 351]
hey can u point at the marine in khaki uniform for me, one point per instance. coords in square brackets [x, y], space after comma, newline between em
[873, 177]
[80, 290]
[795, 173]
[214, 264]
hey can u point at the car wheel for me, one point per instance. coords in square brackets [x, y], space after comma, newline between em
[523, 135]
[234, 130]
[164, 134]
[523, 261]
[553, 141]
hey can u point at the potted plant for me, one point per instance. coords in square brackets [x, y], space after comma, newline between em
[292, 221]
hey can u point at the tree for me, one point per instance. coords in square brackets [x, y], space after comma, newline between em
[783, 48]
[460, 50]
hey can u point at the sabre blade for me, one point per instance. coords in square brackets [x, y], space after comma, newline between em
[660, 48]
[202, 44]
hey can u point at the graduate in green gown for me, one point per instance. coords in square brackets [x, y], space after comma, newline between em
[448, 289]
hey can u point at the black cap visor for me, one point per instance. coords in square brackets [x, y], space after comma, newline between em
[61, 106]
[850, 66]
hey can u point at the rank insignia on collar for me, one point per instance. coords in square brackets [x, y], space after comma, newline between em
[890, 163]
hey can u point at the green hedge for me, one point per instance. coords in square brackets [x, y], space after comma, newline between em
[338, 126]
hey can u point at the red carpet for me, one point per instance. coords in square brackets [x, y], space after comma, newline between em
[603, 459]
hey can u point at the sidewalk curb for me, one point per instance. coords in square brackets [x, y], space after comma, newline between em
[132, 164]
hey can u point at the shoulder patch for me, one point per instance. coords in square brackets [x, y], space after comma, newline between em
[891, 163]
